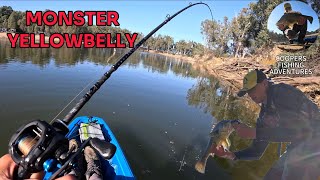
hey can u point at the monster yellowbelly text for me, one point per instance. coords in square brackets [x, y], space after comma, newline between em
[77, 40]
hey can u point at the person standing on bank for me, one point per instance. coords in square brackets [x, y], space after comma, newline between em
[286, 115]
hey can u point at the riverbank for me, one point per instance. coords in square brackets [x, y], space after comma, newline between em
[230, 71]
[4, 35]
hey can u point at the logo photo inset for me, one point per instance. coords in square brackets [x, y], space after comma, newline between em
[293, 26]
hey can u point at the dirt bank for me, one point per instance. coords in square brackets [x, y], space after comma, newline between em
[231, 71]
[4, 35]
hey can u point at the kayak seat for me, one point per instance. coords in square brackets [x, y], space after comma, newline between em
[104, 148]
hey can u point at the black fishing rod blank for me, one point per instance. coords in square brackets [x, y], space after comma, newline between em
[67, 119]
[38, 141]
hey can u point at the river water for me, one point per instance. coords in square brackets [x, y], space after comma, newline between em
[160, 109]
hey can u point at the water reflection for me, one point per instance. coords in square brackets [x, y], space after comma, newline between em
[175, 135]
[213, 98]
[71, 56]
[157, 132]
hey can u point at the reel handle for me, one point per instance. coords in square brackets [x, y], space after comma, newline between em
[33, 144]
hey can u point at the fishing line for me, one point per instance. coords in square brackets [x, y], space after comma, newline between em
[66, 120]
[93, 79]
[106, 76]
[72, 100]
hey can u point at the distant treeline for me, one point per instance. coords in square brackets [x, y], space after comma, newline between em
[276, 37]
[11, 19]
[245, 33]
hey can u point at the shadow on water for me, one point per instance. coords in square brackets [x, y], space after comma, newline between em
[209, 95]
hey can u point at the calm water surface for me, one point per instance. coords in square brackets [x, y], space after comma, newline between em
[160, 109]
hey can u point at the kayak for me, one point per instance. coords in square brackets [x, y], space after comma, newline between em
[116, 168]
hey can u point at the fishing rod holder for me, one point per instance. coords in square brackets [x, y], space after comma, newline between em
[33, 144]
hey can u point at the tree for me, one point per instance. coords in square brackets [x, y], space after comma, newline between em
[240, 31]
[150, 43]
[159, 43]
[168, 40]
[208, 30]
[259, 14]
[217, 35]
[12, 21]
[22, 23]
[36, 29]
[181, 47]
[30, 29]
[198, 49]
[4, 21]
[139, 38]
[5, 10]
[315, 4]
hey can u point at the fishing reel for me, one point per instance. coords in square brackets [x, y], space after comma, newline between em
[39, 146]
[35, 143]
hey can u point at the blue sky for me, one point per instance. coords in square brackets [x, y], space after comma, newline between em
[143, 16]
[296, 6]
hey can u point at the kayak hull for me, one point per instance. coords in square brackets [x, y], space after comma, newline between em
[117, 167]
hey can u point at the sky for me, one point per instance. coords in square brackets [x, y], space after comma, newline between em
[144, 16]
[296, 6]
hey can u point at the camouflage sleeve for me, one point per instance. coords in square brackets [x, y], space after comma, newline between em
[276, 134]
[294, 113]
[254, 152]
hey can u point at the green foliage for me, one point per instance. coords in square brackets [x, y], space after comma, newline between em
[208, 30]
[22, 23]
[246, 30]
[181, 47]
[217, 35]
[239, 31]
[150, 43]
[275, 37]
[198, 49]
[263, 39]
[315, 4]
[166, 44]
[5, 10]
[12, 21]
[163, 43]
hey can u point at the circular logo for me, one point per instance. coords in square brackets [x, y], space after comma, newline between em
[293, 26]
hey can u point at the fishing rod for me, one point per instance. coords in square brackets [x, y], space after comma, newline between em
[107, 75]
[38, 143]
